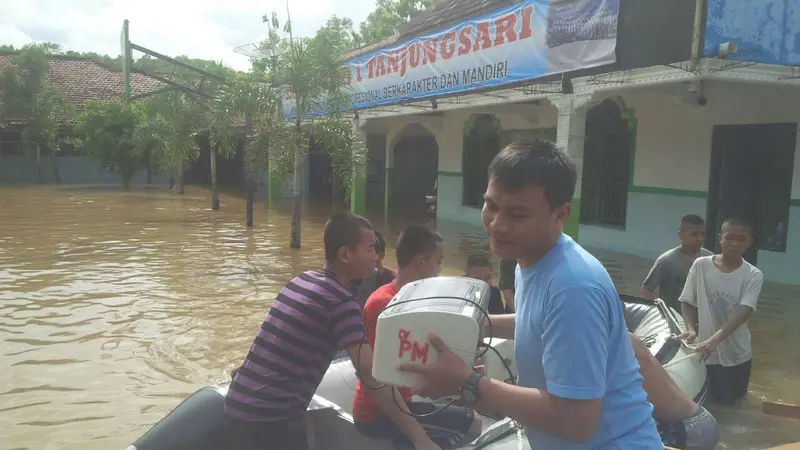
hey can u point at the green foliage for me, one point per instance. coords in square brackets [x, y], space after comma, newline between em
[339, 31]
[345, 147]
[177, 118]
[388, 15]
[272, 146]
[108, 134]
[163, 128]
[29, 99]
[243, 97]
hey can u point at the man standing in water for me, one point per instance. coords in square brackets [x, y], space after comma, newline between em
[721, 293]
[578, 381]
[668, 274]
[313, 316]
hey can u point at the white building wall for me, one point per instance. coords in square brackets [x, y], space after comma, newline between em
[672, 164]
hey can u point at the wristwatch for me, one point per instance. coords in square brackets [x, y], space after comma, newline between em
[469, 391]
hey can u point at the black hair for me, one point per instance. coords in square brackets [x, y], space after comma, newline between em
[415, 240]
[692, 220]
[380, 243]
[539, 163]
[474, 261]
[343, 229]
[736, 222]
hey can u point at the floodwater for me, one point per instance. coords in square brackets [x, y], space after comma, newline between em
[116, 305]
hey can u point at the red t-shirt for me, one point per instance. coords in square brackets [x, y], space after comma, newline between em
[364, 408]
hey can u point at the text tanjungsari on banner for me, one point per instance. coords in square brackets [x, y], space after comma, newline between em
[528, 40]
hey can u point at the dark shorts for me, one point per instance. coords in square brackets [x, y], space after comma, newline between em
[446, 428]
[696, 432]
[266, 435]
[726, 385]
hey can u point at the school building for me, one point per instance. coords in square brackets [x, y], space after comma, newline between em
[666, 112]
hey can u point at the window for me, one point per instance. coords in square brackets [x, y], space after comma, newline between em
[606, 167]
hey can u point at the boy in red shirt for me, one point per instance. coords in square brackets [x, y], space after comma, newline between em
[419, 255]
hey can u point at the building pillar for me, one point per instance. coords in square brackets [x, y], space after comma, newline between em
[358, 187]
[570, 135]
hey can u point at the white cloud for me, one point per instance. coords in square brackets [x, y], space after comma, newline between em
[208, 29]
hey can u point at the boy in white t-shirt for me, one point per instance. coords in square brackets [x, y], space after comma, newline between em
[721, 292]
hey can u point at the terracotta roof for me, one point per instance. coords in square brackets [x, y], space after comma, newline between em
[448, 12]
[82, 80]
[385, 42]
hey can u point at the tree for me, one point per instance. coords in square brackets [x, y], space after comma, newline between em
[179, 119]
[245, 99]
[311, 75]
[32, 101]
[106, 132]
[341, 34]
[388, 16]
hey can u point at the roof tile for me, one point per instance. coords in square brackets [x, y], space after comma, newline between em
[82, 80]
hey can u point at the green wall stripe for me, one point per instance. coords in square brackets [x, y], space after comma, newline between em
[668, 191]
[446, 173]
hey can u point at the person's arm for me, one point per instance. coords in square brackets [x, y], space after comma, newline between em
[349, 328]
[505, 280]
[651, 282]
[742, 311]
[688, 301]
[575, 353]
[502, 327]
[508, 295]
[396, 410]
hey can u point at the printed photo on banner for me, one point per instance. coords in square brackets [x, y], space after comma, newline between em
[525, 41]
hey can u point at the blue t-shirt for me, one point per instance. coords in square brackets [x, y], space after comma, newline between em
[571, 340]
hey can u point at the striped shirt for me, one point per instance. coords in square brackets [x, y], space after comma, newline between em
[312, 317]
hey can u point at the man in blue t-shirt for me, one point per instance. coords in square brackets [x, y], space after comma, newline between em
[578, 380]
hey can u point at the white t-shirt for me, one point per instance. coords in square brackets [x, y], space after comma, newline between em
[716, 295]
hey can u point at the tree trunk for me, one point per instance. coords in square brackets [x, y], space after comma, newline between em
[249, 181]
[214, 190]
[38, 163]
[251, 200]
[295, 239]
[171, 182]
[179, 181]
[149, 174]
[334, 197]
[54, 162]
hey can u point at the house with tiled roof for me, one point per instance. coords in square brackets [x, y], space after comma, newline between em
[80, 80]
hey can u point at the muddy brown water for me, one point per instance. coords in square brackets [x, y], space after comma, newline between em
[115, 305]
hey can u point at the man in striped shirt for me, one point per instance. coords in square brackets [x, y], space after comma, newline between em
[313, 316]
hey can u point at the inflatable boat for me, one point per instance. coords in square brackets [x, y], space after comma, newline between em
[198, 422]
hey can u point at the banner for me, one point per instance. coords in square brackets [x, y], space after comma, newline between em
[527, 40]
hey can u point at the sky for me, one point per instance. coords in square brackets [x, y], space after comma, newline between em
[207, 29]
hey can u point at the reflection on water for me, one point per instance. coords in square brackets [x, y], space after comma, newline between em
[116, 305]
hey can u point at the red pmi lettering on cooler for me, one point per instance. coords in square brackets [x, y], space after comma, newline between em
[418, 352]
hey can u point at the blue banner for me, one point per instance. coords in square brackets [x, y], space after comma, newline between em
[521, 42]
[766, 31]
